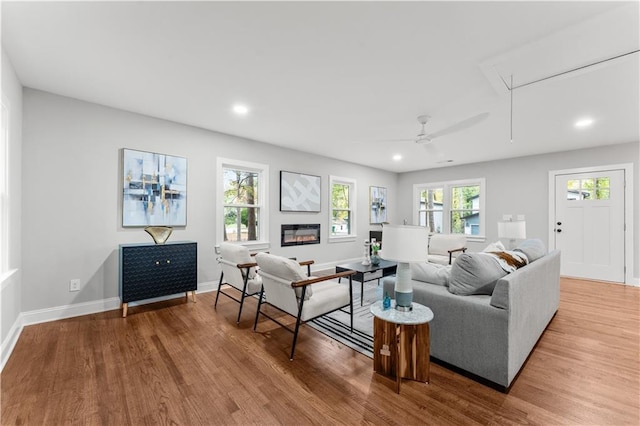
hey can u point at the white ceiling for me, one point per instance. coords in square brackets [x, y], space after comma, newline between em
[347, 79]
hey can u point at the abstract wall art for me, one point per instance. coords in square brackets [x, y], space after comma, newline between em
[299, 192]
[378, 204]
[154, 189]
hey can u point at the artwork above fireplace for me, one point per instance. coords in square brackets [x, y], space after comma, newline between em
[296, 235]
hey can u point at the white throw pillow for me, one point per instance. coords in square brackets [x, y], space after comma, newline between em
[497, 246]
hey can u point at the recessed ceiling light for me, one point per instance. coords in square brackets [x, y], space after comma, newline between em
[397, 157]
[584, 122]
[240, 109]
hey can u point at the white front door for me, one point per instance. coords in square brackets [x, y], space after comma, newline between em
[589, 224]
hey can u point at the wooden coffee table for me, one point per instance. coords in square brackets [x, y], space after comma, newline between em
[369, 272]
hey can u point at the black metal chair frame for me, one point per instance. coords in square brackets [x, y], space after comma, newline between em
[244, 270]
[463, 249]
[304, 285]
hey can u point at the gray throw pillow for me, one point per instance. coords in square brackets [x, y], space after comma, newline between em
[475, 273]
[533, 248]
[431, 273]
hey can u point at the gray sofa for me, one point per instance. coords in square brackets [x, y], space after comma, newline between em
[491, 336]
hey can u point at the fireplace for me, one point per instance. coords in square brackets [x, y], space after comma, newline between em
[296, 235]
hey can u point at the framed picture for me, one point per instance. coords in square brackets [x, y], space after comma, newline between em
[377, 204]
[299, 192]
[154, 189]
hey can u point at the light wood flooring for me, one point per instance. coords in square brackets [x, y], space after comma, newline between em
[184, 363]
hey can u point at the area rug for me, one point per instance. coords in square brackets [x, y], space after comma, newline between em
[336, 324]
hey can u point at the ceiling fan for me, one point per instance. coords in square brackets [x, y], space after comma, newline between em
[424, 138]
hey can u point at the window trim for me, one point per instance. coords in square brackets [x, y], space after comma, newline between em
[446, 203]
[4, 186]
[353, 203]
[263, 200]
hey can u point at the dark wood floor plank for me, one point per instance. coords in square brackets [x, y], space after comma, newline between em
[175, 362]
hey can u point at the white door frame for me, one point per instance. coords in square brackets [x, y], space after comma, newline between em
[628, 211]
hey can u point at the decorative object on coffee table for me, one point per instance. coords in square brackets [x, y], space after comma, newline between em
[404, 244]
[160, 234]
[367, 258]
[375, 248]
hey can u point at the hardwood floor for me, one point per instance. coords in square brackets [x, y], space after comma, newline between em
[180, 362]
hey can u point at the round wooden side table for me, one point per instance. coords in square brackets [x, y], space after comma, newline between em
[401, 342]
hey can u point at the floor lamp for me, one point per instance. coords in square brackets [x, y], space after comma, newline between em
[404, 244]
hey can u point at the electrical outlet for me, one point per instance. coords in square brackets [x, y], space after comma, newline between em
[74, 285]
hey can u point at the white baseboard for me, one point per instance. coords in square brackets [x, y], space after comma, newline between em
[69, 311]
[10, 341]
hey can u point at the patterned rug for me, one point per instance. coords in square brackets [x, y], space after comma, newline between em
[336, 324]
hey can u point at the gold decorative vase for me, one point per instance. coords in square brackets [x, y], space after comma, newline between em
[160, 234]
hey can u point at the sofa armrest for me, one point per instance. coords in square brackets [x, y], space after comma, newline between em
[531, 295]
[538, 279]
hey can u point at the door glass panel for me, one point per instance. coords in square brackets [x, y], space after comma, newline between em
[602, 188]
[602, 182]
[573, 184]
[602, 194]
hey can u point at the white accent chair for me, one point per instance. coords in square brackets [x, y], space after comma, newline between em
[287, 288]
[238, 271]
[444, 248]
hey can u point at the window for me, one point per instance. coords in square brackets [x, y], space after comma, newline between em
[342, 197]
[242, 214]
[454, 207]
[588, 189]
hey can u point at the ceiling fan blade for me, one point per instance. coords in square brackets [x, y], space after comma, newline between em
[461, 125]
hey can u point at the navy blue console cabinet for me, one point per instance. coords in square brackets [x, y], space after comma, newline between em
[154, 270]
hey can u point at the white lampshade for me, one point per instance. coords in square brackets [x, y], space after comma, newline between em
[404, 243]
[512, 230]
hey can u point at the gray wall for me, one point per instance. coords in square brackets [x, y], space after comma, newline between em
[72, 222]
[71, 217]
[521, 186]
[11, 286]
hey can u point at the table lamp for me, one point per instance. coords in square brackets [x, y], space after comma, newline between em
[404, 244]
[512, 230]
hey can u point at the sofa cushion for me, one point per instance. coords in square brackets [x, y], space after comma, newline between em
[431, 273]
[533, 248]
[475, 273]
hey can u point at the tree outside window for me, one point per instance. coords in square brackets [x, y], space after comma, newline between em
[431, 205]
[241, 205]
[454, 207]
[465, 211]
[343, 209]
[341, 214]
